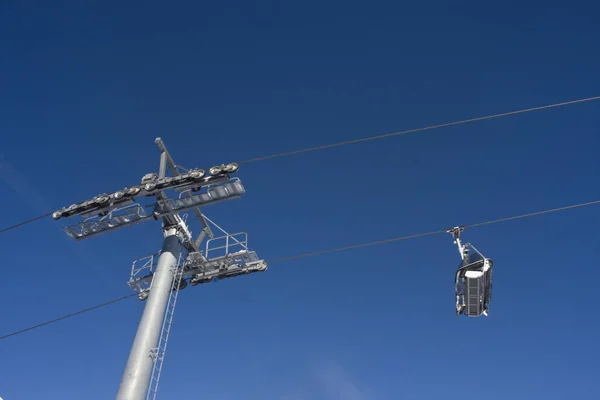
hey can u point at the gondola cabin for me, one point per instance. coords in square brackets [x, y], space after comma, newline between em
[473, 283]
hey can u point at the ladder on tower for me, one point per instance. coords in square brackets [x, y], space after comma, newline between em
[158, 353]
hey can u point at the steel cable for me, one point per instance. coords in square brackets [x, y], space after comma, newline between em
[333, 250]
[426, 128]
[338, 144]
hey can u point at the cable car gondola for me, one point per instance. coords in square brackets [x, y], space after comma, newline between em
[473, 280]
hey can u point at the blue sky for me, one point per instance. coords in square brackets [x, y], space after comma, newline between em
[85, 87]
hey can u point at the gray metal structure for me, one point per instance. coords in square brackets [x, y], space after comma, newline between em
[145, 349]
[159, 278]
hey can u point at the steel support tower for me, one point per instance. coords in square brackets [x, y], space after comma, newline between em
[159, 278]
[145, 349]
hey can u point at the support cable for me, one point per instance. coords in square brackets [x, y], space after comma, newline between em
[334, 250]
[25, 222]
[67, 316]
[338, 144]
[397, 239]
[426, 128]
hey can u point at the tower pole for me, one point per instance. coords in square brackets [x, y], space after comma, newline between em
[136, 378]
[119, 209]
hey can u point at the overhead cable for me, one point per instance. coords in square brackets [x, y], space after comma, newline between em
[356, 246]
[533, 214]
[25, 222]
[333, 250]
[85, 310]
[397, 239]
[338, 144]
[426, 128]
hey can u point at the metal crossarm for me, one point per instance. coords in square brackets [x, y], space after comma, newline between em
[165, 207]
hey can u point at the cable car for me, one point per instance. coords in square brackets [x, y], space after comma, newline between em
[473, 280]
